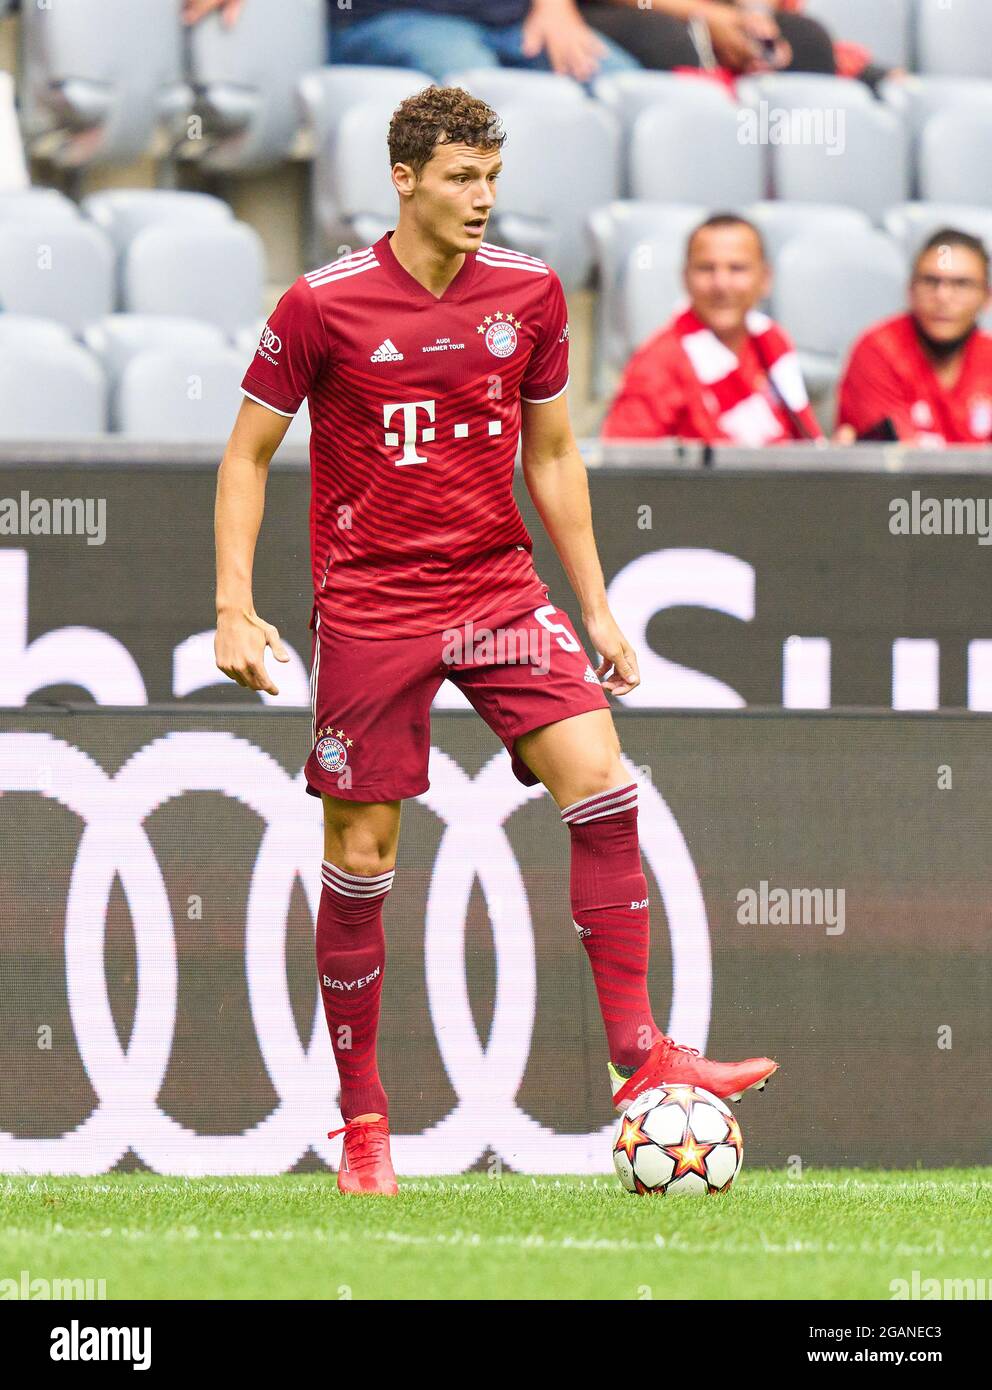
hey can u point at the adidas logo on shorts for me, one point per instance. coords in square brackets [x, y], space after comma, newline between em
[387, 352]
[591, 676]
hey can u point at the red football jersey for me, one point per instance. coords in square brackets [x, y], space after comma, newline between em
[415, 416]
[889, 377]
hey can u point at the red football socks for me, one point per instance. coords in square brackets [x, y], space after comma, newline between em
[351, 957]
[609, 895]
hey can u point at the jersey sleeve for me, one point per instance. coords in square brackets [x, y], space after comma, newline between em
[872, 391]
[290, 353]
[547, 371]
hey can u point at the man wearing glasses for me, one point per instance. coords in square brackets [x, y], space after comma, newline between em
[926, 377]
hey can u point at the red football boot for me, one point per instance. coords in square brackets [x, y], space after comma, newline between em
[365, 1163]
[667, 1062]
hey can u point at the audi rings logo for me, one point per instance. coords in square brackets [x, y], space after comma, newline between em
[486, 1078]
[271, 341]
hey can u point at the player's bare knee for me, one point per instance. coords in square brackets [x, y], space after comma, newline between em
[360, 837]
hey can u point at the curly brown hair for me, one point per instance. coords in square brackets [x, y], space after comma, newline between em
[441, 115]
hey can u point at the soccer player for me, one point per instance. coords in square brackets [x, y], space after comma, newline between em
[423, 358]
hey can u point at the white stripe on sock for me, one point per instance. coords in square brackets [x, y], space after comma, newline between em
[355, 885]
[606, 803]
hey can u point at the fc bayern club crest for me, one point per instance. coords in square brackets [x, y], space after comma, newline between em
[500, 333]
[331, 750]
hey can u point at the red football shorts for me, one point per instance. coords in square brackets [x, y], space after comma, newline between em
[371, 697]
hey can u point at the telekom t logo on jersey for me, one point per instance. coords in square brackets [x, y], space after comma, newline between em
[428, 433]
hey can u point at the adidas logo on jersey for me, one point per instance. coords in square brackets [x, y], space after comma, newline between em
[387, 352]
[590, 675]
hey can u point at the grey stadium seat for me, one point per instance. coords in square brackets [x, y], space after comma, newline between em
[883, 26]
[616, 229]
[828, 291]
[872, 171]
[180, 395]
[28, 331]
[356, 197]
[955, 39]
[55, 391]
[246, 81]
[919, 98]
[650, 289]
[247, 339]
[123, 212]
[13, 164]
[37, 205]
[101, 75]
[627, 94]
[64, 271]
[912, 223]
[550, 186]
[213, 273]
[120, 338]
[497, 86]
[956, 158]
[330, 94]
[811, 90]
[694, 155]
[781, 222]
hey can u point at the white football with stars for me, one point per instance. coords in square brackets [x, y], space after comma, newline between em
[677, 1140]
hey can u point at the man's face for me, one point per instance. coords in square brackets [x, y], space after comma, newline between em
[454, 195]
[726, 276]
[948, 292]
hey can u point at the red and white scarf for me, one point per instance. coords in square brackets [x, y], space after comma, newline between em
[743, 413]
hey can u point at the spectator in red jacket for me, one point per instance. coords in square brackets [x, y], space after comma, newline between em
[926, 377]
[721, 371]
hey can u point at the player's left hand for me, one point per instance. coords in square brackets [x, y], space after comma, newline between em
[616, 652]
[573, 48]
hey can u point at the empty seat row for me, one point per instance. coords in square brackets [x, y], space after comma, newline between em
[154, 380]
[103, 78]
[67, 269]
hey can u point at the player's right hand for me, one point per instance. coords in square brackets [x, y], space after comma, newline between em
[239, 649]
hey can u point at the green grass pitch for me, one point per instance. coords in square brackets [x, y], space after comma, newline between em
[838, 1234]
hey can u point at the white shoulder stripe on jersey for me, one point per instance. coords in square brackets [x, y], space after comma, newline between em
[267, 406]
[352, 258]
[343, 274]
[509, 251]
[500, 253]
[512, 265]
[543, 400]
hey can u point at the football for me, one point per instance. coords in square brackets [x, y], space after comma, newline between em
[677, 1140]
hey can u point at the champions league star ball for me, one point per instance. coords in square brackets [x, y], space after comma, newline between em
[677, 1139]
